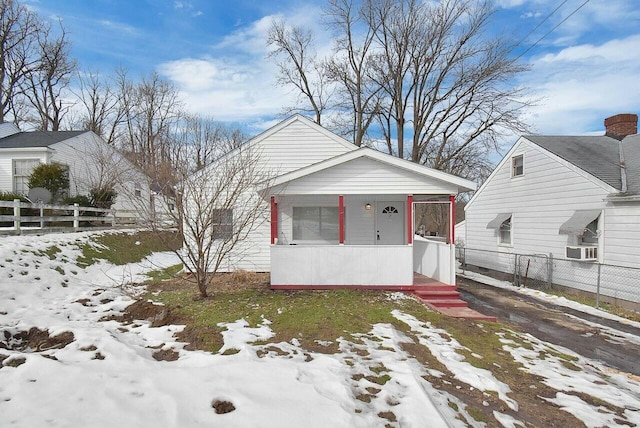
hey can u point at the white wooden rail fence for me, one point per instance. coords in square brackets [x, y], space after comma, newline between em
[69, 215]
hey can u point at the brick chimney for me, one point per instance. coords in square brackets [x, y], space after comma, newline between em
[621, 125]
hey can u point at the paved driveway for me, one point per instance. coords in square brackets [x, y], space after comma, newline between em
[615, 344]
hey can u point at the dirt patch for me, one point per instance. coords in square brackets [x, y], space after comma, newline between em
[220, 282]
[165, 355]
[12, 362]
[158, 315]
[35, 340]
[222, 407]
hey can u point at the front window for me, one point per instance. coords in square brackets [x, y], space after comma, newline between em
[517, 166]
[316, 224]
[505, 232]
[222, 220]
[590, 234]
[22, 169]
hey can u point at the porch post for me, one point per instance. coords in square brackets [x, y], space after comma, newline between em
[274, 220]
[410, 219]
[452, 219]
[341, 218]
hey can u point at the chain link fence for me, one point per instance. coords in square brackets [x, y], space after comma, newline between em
[593, 282]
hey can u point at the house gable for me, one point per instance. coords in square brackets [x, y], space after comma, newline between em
[294, 143]
[524, 146]
[367, 171]
[548, 193]
[365, 176]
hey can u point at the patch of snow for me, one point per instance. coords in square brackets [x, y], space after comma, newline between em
[445, 348]
[541, 359]
[507, 421]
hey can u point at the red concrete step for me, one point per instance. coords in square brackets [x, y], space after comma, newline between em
[430, 294]
[446, 303]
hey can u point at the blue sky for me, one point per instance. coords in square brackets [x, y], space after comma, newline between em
[215, 52]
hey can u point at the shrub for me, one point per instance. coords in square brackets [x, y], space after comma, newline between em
[53, 176]
[82, 200]
[103, 197]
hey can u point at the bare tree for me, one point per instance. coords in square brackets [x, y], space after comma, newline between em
[461, 101]
[438, 87]
[199, 139]
[215, 209]
[358, 93]
[151, 108]
[18, 40]
[102, 112]
[299, 67]
[48, 82]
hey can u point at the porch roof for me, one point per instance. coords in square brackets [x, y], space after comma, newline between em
[367, 171]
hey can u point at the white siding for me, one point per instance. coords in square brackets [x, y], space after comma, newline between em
[6, 164]
[365, 176]
[622, 234]
[332, 265]
[540, 202]
[92, 163]
[295, 146]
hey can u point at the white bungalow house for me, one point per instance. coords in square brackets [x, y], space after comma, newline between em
[342, 216]
[90, 161]
[568, 197]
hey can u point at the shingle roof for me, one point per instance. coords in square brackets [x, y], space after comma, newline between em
[631, 150]
[596, 155]
[36, 138]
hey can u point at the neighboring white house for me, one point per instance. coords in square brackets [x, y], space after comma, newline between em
[569, 197]
[342, 215]
[90, 161]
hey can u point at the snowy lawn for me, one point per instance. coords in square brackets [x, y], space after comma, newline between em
[281, 359]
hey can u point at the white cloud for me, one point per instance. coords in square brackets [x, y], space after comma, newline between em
[583, 84]
[236, 81]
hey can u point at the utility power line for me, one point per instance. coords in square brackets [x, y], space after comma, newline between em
[554, 28]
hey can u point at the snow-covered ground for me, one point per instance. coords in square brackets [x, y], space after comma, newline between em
[108, 377]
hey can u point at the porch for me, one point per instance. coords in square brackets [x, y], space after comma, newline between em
[350, 221]
[359, 241]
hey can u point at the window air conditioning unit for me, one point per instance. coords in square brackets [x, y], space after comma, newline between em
[588, 254]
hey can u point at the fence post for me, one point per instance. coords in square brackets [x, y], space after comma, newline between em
[598, 287]
[41, 216]
[16, 215]
[464, 259]
[76, 216]
[549, 269]
[113, 219]
[515, 270]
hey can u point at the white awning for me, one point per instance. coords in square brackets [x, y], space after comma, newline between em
[497, 222]
[578, 222]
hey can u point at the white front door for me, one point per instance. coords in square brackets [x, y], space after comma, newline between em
[390, 223]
